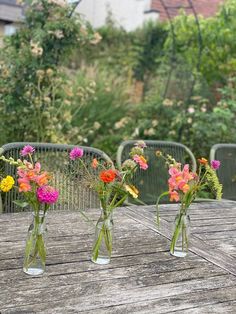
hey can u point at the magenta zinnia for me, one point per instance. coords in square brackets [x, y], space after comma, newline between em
[215, 164]
[47, 194]
[28, 149]
[76, 153]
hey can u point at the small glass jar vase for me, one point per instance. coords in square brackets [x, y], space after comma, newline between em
[35, 250]
[102, 247]
[180, 239]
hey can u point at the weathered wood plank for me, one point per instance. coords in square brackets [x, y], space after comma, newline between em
[81, 263]
[73, 274]
[162, 305]
[91, 296]
[197, 246]
[142, 277]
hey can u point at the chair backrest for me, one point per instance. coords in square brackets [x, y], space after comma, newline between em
[54, 159]
[152, 182]
[226, 154]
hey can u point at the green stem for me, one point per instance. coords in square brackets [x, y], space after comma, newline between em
[105, 233]
[176, 234]
[97, 246]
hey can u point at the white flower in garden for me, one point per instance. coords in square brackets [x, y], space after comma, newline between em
[190, 120]
[154, 122]
[150, 132]
[36, 49]
[61, 3]
[136, 132]
[122, 123]
[49, 72]
[80, 138]
[191, 110]
[172, 132]
[59, 34]
[96, 39]
[168, 102]
[96, 125]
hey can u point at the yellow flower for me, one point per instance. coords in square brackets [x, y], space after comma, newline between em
[6, 184]
[132, 190]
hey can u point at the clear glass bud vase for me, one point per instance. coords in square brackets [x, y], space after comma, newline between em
[102, 247]
[180, 239]
[35, 249]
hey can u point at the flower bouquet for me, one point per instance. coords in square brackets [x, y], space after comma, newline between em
[112, 186]
[184, 187]
[33, 185]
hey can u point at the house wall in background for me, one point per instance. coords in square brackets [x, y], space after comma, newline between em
[11, 16]
[128, 14]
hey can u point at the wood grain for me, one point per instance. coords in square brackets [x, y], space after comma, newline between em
[142, 276]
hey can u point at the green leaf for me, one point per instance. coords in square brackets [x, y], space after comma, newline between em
[21, 204]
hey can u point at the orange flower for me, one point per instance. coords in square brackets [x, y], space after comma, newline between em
[107, 175]
[94, 163]
[203, 161]
[174, 196]
[42, 179]
[24, 185]
[30, 175]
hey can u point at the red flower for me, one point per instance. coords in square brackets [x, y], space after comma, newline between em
[107, 175]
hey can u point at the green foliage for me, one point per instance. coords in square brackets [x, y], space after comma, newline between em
[105, 105]
[34, 100]
[212, 50]
[198, 125]
[57, 85]
[133, 54]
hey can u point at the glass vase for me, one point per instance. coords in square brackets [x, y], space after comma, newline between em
[35, 249]
[180, 239]
[102, 247]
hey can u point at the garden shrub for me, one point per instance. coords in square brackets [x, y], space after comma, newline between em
[36, 98]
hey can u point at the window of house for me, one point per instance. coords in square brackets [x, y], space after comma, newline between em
[9, 29]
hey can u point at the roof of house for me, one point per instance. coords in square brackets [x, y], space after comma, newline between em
[205, 8]
[10, 11]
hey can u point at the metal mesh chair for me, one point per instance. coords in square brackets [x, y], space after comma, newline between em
[226, 154]
[152, 182]
[54, 159]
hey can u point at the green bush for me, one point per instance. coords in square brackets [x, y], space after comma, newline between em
[198, 125]
[35, 96]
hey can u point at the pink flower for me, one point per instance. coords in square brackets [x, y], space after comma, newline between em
[76, 153]
[37, 167]
[24, 185]
[21, 172]
[27, 150]
[215, 164]
[173, 171]
[28, 164]
[174, 196]
[186, 174]
[141, 161]
[47, 194]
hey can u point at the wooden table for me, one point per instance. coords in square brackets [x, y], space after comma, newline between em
[142, 276]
